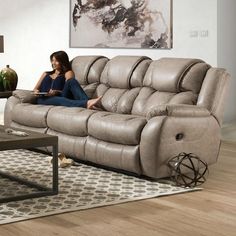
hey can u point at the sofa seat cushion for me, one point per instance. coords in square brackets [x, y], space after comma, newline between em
[69, 120]
[30, 115]
[71, 146]
[118, 156]
[116, 128]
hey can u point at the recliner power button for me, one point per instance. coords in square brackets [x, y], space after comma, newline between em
[179, 136]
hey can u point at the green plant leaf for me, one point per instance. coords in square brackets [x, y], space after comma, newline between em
[6, 84]
[1, 81]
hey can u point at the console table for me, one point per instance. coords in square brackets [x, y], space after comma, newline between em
[5, 94]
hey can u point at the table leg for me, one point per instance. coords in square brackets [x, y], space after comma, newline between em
[55, 168]
[43, 190]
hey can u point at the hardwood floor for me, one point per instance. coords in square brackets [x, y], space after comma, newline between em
[228, 131]
[211, 211]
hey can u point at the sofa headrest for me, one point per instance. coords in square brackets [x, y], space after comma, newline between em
[119, 70]
[88, 69]
[176, 74]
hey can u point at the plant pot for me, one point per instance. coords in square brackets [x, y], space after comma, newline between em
[1, 82]
[9, 80]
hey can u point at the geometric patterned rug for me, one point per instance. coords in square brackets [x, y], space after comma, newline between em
[80, 187]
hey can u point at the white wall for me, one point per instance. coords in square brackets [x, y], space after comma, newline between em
[227, 51]
[34, 29]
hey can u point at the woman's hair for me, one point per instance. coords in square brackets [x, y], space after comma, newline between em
[63, 59]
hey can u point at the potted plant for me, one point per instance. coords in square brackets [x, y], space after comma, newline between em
[1, 81]
[8, 79]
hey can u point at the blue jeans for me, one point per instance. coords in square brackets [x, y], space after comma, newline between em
[72, 96]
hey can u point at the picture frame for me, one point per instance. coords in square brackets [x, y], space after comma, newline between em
[140, 24]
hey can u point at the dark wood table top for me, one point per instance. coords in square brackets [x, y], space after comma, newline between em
[6, 94]
[34, 139]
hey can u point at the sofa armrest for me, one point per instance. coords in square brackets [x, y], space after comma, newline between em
[187, 111]
[164, 137]
[25, 96]
[178, 110]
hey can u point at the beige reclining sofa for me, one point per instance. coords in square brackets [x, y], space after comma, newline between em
[152, 110]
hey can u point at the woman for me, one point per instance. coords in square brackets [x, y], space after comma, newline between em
[61, 86]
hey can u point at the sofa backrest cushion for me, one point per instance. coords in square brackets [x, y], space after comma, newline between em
[121, 82]
[121, 71]
[149, 98]
[170, 81]
[176, 75]
[88, 70]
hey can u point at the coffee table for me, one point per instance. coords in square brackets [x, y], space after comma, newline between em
[33, 140]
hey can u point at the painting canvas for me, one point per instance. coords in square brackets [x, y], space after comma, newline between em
[121, 23]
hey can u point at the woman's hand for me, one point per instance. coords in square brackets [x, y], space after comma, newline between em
[52, 92]
[35, 92]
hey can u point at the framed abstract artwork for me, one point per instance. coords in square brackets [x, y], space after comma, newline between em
[121, 23]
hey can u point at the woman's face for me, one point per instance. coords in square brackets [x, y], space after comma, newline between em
[55, 64]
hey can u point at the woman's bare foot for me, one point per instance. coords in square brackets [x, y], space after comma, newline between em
[92, 102]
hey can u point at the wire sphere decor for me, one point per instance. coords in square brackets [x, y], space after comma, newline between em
[188, 170]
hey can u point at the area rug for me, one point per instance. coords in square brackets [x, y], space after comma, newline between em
[80, 187]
